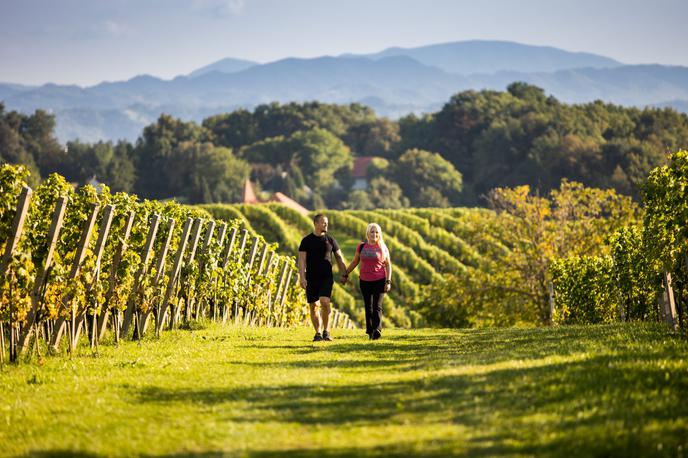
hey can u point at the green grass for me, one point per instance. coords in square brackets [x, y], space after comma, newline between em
[617, 390]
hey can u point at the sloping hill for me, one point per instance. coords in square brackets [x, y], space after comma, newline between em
[424, 244]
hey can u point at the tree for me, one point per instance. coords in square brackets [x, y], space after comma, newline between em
[11, 149]
[357, 200]
[427, 178]
[159, 163]
[386, 194]
[233, 130]
[575, 221]
[38, 138]
[274, 150]
[379, 137]
[320, 154]
[216, 175]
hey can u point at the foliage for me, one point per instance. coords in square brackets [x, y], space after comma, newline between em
[633, 275]
[586, 290]
[110, 277]
[427, 179]
[665, 224]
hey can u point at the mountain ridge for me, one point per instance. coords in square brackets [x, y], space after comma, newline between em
[393, 84]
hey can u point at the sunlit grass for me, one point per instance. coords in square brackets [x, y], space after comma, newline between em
[575, 391]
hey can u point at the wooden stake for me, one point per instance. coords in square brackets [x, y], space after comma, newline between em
[60, 323]
[670, 304]
[112, 280]
[143, 269]
[142, 320]
[193, 245]
[228, 247]
[2, 343]
[550, 292]
[11, 244]
[36, 296]
[103, 232]
[17, 226]
[173, 276]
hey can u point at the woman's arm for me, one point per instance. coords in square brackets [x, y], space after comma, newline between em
[388, 273]
[352, 265]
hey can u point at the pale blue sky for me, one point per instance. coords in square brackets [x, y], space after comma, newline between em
[87, 41]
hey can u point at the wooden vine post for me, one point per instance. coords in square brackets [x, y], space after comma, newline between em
[247, 272]
[199, 306]
[61, 322]
[220, 251]
[240, 254]
[112, 281]
[281, 288]
[103, 232]
[669, 303]
[142, 318]
[176, 308]
[173, 276]
[142, 271]
[41, 277]
[225, 261]
[12, 242]
[284, 294]
[550, 293]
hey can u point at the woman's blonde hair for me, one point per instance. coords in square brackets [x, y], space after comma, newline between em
[381, 241]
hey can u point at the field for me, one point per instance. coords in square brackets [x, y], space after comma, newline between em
[617, 390]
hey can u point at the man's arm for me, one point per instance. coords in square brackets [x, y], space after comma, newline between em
[340, 261]
[302, 269]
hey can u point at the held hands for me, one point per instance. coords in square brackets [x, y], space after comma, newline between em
[344, 279]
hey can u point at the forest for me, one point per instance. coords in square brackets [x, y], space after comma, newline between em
[478, 141]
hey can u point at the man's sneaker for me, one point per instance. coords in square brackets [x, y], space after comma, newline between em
[317, 337]
[326, 336]
[375, 335]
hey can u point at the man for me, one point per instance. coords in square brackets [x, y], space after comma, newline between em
[315, 274]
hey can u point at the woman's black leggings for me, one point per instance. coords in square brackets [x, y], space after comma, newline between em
[373, 293]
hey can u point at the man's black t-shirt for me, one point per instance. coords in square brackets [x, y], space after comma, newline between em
[319, 251]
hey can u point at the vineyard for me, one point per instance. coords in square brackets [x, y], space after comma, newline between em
[583, 256]
[425, 244]
[99, 264]
[87, 262]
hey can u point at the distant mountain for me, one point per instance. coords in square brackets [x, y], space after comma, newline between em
[8, 90]
[228, 65]
[479, 56]
[393, 85]
[637, 85]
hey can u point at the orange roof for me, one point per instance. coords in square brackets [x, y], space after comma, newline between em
[249, 196]
[361, 166]
[291, 203]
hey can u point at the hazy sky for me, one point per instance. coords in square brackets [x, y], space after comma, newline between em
[87, 41]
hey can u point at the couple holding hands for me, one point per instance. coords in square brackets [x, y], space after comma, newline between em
[315, 275]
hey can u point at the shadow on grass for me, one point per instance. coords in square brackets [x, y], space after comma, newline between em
[607, 403]
[453, 348]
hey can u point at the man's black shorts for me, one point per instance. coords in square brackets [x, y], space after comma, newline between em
[317, 288]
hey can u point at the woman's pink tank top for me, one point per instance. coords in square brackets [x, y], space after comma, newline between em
[372, 262]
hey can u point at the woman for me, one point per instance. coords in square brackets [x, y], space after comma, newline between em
[375, 277]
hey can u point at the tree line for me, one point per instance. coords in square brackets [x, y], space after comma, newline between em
[478, 141]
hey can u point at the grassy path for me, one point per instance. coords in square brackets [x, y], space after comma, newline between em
[577, 391]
